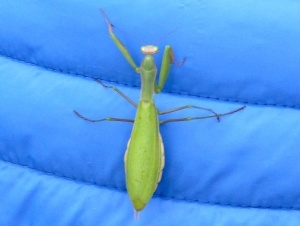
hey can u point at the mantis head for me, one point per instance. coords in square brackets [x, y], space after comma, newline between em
[149, 49]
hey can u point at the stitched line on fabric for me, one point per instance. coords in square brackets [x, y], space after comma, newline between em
[163, 197]
[170, 92]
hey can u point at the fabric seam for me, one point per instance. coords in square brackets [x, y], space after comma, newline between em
[133, 86]
[155, 195]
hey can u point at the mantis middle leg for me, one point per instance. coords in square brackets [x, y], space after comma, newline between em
[109, 119]
[197, 118]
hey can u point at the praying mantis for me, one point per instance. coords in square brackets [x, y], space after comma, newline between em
[144, 158]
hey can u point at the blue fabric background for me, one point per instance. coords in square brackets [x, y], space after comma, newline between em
[56, 169]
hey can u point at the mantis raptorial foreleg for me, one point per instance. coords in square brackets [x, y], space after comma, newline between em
[168, 58]
[119, 44]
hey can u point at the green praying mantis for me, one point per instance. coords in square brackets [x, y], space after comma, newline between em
[144, 158]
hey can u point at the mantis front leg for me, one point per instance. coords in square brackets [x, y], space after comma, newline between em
[168, 59]
[119, 44]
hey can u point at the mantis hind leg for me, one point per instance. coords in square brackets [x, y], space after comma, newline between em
[188, 106]
[109, 119]
[204, 117]
[104, 119]
[118, 91]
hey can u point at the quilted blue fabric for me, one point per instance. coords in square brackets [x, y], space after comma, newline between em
[56, 169]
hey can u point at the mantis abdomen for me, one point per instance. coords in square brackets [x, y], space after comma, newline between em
[144, 157]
